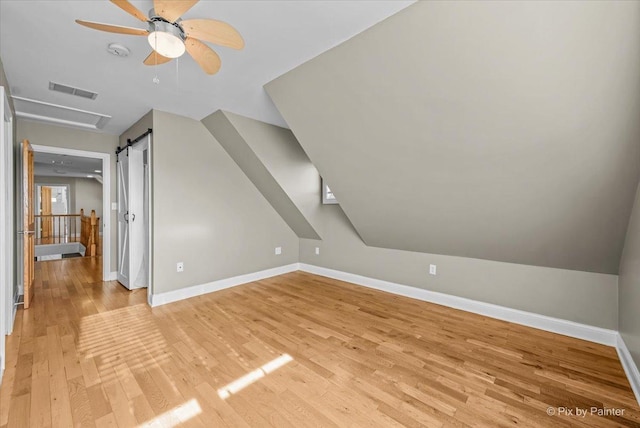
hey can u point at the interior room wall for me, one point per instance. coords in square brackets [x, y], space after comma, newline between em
[84, 193]
[88, 196]
[241, 148]
[206, 212]
[584, 297]
[57, 136]
[629, 285]
[502, 131]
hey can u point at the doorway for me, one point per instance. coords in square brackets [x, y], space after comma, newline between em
[52, 200]
[105, 221]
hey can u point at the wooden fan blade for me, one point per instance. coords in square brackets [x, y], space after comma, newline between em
[171, 10]
[155, 58]
[130, 9]
[208, 60]
[210, 30]
[113, 28]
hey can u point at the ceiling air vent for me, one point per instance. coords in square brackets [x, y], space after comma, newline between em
[58, 87]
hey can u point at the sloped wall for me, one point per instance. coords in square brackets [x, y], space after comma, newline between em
[206, 212]
[241, 137]
[504, 131]
[583, 297]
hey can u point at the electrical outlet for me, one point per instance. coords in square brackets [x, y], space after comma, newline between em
[180, 267]
[432, 269]
[317, 251]
[278, 251]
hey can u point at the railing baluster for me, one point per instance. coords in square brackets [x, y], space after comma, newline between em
[67, 228]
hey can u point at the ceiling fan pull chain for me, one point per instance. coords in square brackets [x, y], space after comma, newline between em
[177, 75]
[155, 79]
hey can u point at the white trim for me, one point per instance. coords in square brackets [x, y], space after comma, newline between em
[106, 196]
[629, 366]
[221, 284]
[113, 276]
[542, 322]
[7, 229]
[100, 123]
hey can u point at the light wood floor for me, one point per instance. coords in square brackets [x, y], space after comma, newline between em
[296, 350]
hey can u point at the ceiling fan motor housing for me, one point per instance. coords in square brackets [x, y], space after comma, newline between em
[166, 38]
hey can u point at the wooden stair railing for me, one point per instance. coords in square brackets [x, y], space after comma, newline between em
[89, 232]
[56, 228]
[63, 228]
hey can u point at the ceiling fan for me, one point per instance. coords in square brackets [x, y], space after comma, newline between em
[170, 36]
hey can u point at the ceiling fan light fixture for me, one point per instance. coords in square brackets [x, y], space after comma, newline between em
[165, 39]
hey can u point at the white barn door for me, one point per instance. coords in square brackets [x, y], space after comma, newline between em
[131, 227]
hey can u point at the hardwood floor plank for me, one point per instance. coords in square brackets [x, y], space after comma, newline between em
[80, 406]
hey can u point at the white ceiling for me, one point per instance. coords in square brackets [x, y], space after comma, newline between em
[55, 165]
[40, 42]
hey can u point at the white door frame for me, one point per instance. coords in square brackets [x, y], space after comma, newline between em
[7, 229]
[146, 145]
[106, 197]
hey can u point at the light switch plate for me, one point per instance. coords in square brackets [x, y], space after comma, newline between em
[278, 250]
[114, 206]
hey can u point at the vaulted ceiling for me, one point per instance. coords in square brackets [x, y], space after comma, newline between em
[40, 42]
[506, 131]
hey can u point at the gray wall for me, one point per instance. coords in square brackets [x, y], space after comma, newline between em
[240, 136]
[88, 196]
[57, 136]
[496, 130]
[629, 285]
[583, 297]
[207, 213]
[84, 193]
[589, 298]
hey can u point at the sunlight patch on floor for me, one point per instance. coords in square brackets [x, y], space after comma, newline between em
[122, 335]
[176, 416]
[251, 377]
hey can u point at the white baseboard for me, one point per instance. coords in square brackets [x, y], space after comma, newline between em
[113, 276]
[629, 366]
[198, 290]
[542, 322]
